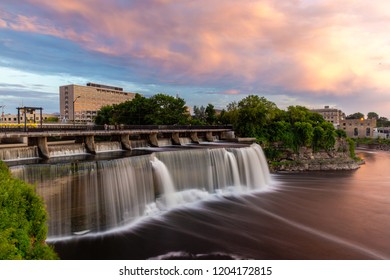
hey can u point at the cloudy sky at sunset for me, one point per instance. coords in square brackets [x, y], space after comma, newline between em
[298, 52]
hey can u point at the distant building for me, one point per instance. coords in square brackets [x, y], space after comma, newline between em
[382, 132]
[359, 128]
[334, 116]
[30, 118]
[81, 103]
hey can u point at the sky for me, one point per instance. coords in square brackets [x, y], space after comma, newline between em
[313, 53]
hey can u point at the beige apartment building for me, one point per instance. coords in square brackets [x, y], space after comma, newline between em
[80, 103]
[332, 115]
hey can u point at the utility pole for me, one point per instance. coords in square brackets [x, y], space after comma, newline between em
[74, 121]
[2, 112]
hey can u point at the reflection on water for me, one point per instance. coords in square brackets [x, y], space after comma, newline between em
[319, 215]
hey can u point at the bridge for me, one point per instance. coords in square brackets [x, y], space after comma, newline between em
[41, 135]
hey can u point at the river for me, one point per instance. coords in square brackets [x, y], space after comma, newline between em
[315, 215]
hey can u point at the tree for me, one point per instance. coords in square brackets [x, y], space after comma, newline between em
[357, 115]
[199, 115]
[254, 114]
[282, 132]
[318, 138]
[230, 115]
[132, 112]
[158, 110]
[372, 115]
[303, 133]
[383, 122]
[330, 135]
[167, 110]
[210, 114]
[104, 115]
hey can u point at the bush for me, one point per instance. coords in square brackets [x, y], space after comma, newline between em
[23, 217]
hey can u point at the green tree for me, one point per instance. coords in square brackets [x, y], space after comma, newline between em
[160, 109]
[357, 115]
[329, 139]
[383, 122]
[210, 114]
[199, 116]
[133, 112]
[372, 115]
[104, 115]
[230, 115]
[303, 133]
[23, 218]
[318, 138]
[283, 133]
[167, 110]
[254, 115]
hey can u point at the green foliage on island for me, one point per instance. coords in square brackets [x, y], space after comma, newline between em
[23, 217]
[293, 128]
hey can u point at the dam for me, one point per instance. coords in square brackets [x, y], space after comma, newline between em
[56, 140]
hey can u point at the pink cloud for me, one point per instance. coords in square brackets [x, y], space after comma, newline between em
[309, 46]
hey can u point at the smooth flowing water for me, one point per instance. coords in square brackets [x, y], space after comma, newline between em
[220, 204]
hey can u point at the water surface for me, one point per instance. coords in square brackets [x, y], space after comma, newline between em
[316, 215]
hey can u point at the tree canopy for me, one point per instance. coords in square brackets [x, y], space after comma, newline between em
[159, 109]
[357, 115]
[293, 128]
[253, 116]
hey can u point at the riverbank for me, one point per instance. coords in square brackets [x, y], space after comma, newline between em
[314, 165]
[307, 160]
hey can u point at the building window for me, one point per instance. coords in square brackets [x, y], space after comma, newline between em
[356, 132]
[368, 132]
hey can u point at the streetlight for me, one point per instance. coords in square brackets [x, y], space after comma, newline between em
[74, 122]
[2, 111]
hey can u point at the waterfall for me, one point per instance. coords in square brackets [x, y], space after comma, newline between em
[164, 182]
[97, 196]
[233, 167]
[102, 147]
[67, 150]
[18, 153]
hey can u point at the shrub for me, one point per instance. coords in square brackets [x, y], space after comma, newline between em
[23, 217]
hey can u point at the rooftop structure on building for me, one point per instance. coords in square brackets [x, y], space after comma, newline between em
[81, 103]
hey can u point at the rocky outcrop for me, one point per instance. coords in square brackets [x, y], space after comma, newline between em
[307, 160]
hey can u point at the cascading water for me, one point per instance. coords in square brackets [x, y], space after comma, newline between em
[232, 164]
[164, 182]
[84, 197]
[67, 150]
[18, 153]
[102, 147]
